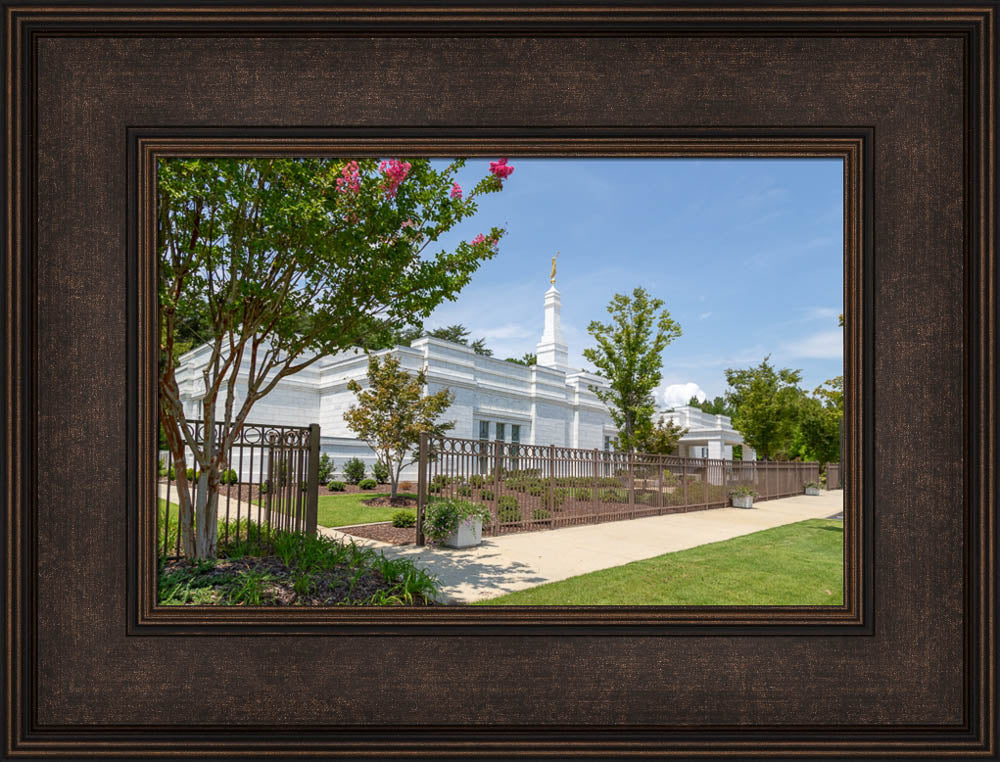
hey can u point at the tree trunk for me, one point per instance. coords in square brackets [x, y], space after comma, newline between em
[206, 514]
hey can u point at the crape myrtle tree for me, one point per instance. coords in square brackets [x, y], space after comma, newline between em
[393, 411]
[279, 261]
[628, 355]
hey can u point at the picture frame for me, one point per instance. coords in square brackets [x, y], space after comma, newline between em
[907, 95]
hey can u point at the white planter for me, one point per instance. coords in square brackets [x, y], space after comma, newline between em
[742, 501]
[812, 491]
[468, 534]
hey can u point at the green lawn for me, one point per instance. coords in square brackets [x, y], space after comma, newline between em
[344, 510]
[797, 564]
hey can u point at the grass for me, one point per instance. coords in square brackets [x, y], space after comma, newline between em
[272, 567]
[796, 564]
[344, 510]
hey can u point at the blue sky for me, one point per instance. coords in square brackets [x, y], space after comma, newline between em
[747, 254]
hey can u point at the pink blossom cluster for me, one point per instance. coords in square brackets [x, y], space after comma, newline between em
[395, 172]
[500, 168]
[481, 238]
[350, 179]
[456, 191]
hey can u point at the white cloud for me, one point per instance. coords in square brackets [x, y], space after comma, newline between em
[675, 395]
[704, 315]
[825, 345]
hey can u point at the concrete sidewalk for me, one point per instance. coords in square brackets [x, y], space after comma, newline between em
[518, 561]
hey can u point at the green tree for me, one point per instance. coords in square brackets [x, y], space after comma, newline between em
[276, 262]
[718, 406]
[818, 436]
[766, 404]
[456, 333]
[393, 411]
[528, 358]
[628, 355]
[661, 438]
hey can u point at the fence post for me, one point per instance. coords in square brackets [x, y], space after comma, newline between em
[312, 499]
[552, 479]
[497, 454]
[631, 481]
[421, 486]
[661, 464]
[684, 481]
[597, 476]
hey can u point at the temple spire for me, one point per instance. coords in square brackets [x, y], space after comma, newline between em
[551, 350]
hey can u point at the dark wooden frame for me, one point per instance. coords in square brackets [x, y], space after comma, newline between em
[905, 669]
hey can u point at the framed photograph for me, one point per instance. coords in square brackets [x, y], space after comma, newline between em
[441, 381]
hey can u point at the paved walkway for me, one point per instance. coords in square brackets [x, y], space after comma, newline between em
[517, 561]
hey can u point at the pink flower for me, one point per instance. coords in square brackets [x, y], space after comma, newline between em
[408, 224]
[395, 172]
[500, 168]
[456, 191]
[350, 179]
[483, 239]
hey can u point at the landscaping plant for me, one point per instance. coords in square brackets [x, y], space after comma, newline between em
[442, 517]
[354, 471]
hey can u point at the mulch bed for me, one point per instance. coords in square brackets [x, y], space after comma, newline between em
[329, 588]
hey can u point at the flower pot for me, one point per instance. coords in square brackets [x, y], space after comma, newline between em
[468, 534]
[742, 501]
[812, 491]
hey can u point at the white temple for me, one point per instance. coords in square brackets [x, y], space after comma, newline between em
[547, 403]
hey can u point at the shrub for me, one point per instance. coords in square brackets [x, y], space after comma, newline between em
[444, 516]
[613, 496]
[368, 484]
[508, 501]
[486, 494]
[263, 488]
[380, 471]
[581, 493]
[163, 467]
[540, 514]
[404, 519]
[354, 471]
[325, 468]
[812, 485]
[336, 486]
[669, 479]
[464, 491]
[171, 473]
[743, 492]
[191, 474]
[228, 477]
[477, 480]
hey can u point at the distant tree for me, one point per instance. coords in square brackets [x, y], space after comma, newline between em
[277, 262]
[528, 358]
[766, 404]
[456, 333]
[718, 406]
[818, 435]
[480, 348]
[628, 355]
[661, 438]
[393, 411]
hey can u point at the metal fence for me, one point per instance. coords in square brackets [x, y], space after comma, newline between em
[270, 480]
[537, 486]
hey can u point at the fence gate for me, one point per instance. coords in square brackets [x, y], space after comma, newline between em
[271, 480]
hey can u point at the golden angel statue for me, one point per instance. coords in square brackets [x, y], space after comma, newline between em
[552, 277]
